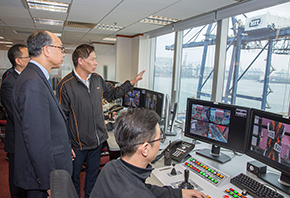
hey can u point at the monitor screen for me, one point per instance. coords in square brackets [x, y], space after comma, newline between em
[134, 98]
[269, 140]
[222, 125]
[154, 101]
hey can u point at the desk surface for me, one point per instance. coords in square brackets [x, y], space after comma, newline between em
[235, 166]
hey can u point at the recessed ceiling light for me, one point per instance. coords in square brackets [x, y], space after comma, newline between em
[48, 5]
[58, 34]
[109, 39]
[6, 42]
[109, 27]
[158, 20]
[48, 21]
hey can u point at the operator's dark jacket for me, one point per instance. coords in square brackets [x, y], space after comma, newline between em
[120, 179]
[84, 110]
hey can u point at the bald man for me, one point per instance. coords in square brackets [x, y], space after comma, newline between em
[41, 137]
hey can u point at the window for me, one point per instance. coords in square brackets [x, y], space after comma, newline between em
[163, 64]
[197, 63]
[259, 30]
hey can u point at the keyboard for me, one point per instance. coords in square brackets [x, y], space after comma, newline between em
[253, 187]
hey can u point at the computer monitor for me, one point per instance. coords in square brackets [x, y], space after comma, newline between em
[154, 101]
[219, 124]
[134, 98]
[269, 142]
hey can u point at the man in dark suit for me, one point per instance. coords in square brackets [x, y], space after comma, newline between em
[18, 56]
[41, 137]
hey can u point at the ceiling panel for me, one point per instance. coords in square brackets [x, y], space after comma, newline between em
[127, 13]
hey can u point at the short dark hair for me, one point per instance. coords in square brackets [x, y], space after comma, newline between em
[14, 52]
[82, 51]
[134, 126]
[36, 41]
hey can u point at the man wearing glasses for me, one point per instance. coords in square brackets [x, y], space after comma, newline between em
[41, 137]
[19, 58]
[138, 135]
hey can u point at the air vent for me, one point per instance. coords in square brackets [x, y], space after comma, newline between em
[80, 24]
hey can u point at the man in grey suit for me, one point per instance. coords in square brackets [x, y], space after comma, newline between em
[18, 56]
[41, 137]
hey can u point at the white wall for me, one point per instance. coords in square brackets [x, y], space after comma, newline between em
[106, 56]
[133, 56]
[123, 59]
[5, 63]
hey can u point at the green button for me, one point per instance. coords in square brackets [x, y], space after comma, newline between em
[209, 169]
[209, 177]
[203, 174]
[215, 181]
[231, 193]
[235, 196]
[188, 164]
[200, 172]
[191, 159]
[235, 191]
[212, 179]
[200, 165]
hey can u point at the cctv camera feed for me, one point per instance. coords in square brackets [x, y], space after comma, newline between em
[271, 139]
[132, 98]
[151, 101]
[210, 122]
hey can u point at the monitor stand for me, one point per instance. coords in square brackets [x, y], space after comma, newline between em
[280, 181]
[214, 154]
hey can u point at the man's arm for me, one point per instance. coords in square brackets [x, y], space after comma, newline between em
[164, 191]
[112, 93]
[168, 191]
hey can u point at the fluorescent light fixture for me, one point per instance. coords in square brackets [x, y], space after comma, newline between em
[48, 5]
[1, 37]
[48, 21]
[108, 27]
[8, 46]
[6, 42]
[109, 39]
[158, 20]
[57, 34]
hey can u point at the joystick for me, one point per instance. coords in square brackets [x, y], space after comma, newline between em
[173, 171]
[186, 184]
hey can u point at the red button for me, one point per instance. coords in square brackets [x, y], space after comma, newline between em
[226, 196]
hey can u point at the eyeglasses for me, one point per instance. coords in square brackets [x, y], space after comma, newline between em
[161, 139]
[62, 48]
[24, 57]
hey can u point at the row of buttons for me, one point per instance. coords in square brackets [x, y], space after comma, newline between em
[206, 168]
[234, 193]
[201, 173]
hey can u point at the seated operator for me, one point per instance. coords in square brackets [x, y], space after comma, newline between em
[137, 133]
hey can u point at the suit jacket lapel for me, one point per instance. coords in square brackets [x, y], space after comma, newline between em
[40, 73]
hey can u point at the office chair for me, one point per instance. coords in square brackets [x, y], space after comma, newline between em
[61, 185]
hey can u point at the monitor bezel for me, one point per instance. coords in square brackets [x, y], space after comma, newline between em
[230, 144]
[261, 158]
[156, 93]
[141, 98]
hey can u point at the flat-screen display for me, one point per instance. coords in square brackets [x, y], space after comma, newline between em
[134, 98]
[154, 101]
[222, 125]
[269, 140]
